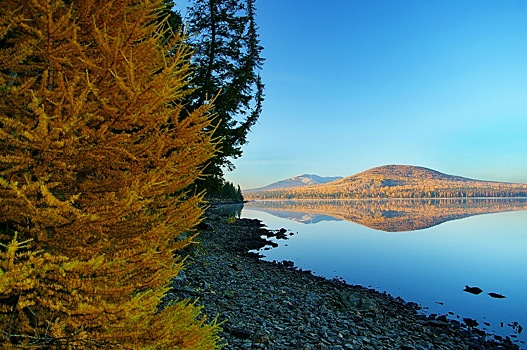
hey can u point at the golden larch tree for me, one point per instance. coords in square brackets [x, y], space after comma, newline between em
[97, 160]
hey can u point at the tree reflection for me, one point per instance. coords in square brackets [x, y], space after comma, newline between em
[390, 215]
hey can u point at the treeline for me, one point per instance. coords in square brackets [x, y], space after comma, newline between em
[227, 192]
[376, 189]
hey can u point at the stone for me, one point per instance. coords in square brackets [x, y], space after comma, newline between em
[475, 346]
[237, 267]
[496, 295]
[281, 234]
[442, 318]
[437, 323]
[473, 290]
[240, 333]
[470, 322]
[203, 226]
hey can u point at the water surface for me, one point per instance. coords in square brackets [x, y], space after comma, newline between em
[422, 251]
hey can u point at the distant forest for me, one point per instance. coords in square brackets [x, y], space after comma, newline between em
[398, 182]
[380, 191]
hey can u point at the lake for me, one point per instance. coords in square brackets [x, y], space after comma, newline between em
[425, 251]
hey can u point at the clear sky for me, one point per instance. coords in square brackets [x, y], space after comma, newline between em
[354, 84]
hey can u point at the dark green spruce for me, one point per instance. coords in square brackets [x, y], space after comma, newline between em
[227, 60]
[228, 192]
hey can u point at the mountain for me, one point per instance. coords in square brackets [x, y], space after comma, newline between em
[396, 181]
[297, 181]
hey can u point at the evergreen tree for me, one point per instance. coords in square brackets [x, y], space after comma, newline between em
[227, 191]
[227, 58]
[96, 157]
[239, 193]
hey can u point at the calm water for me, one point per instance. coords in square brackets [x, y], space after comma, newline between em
[430, 265]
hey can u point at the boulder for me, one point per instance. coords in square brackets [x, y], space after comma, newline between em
[470, 322]
[496, 295]
[473, 290]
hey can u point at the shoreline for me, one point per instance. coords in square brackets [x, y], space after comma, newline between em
[269, 305]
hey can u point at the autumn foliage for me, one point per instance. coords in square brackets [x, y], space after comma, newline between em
[396, 181]
[97, 160]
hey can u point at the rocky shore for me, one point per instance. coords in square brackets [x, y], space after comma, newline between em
[263, 305]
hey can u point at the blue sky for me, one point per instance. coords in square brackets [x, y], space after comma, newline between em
[353, 84]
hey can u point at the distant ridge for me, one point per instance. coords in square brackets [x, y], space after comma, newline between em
[296, 181]
[394, 181]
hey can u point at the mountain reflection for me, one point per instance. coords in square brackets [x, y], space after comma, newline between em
[393, 215]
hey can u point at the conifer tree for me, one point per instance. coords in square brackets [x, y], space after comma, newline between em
[228, 59]
[97, 153]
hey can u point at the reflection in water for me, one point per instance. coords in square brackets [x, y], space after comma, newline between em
[472, 269]
[230, 209]
[390, 215]
[304, 218]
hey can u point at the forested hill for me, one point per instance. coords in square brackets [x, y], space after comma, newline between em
[397, 181]
[408, 172]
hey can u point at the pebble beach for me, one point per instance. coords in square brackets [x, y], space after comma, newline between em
[273, 305]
